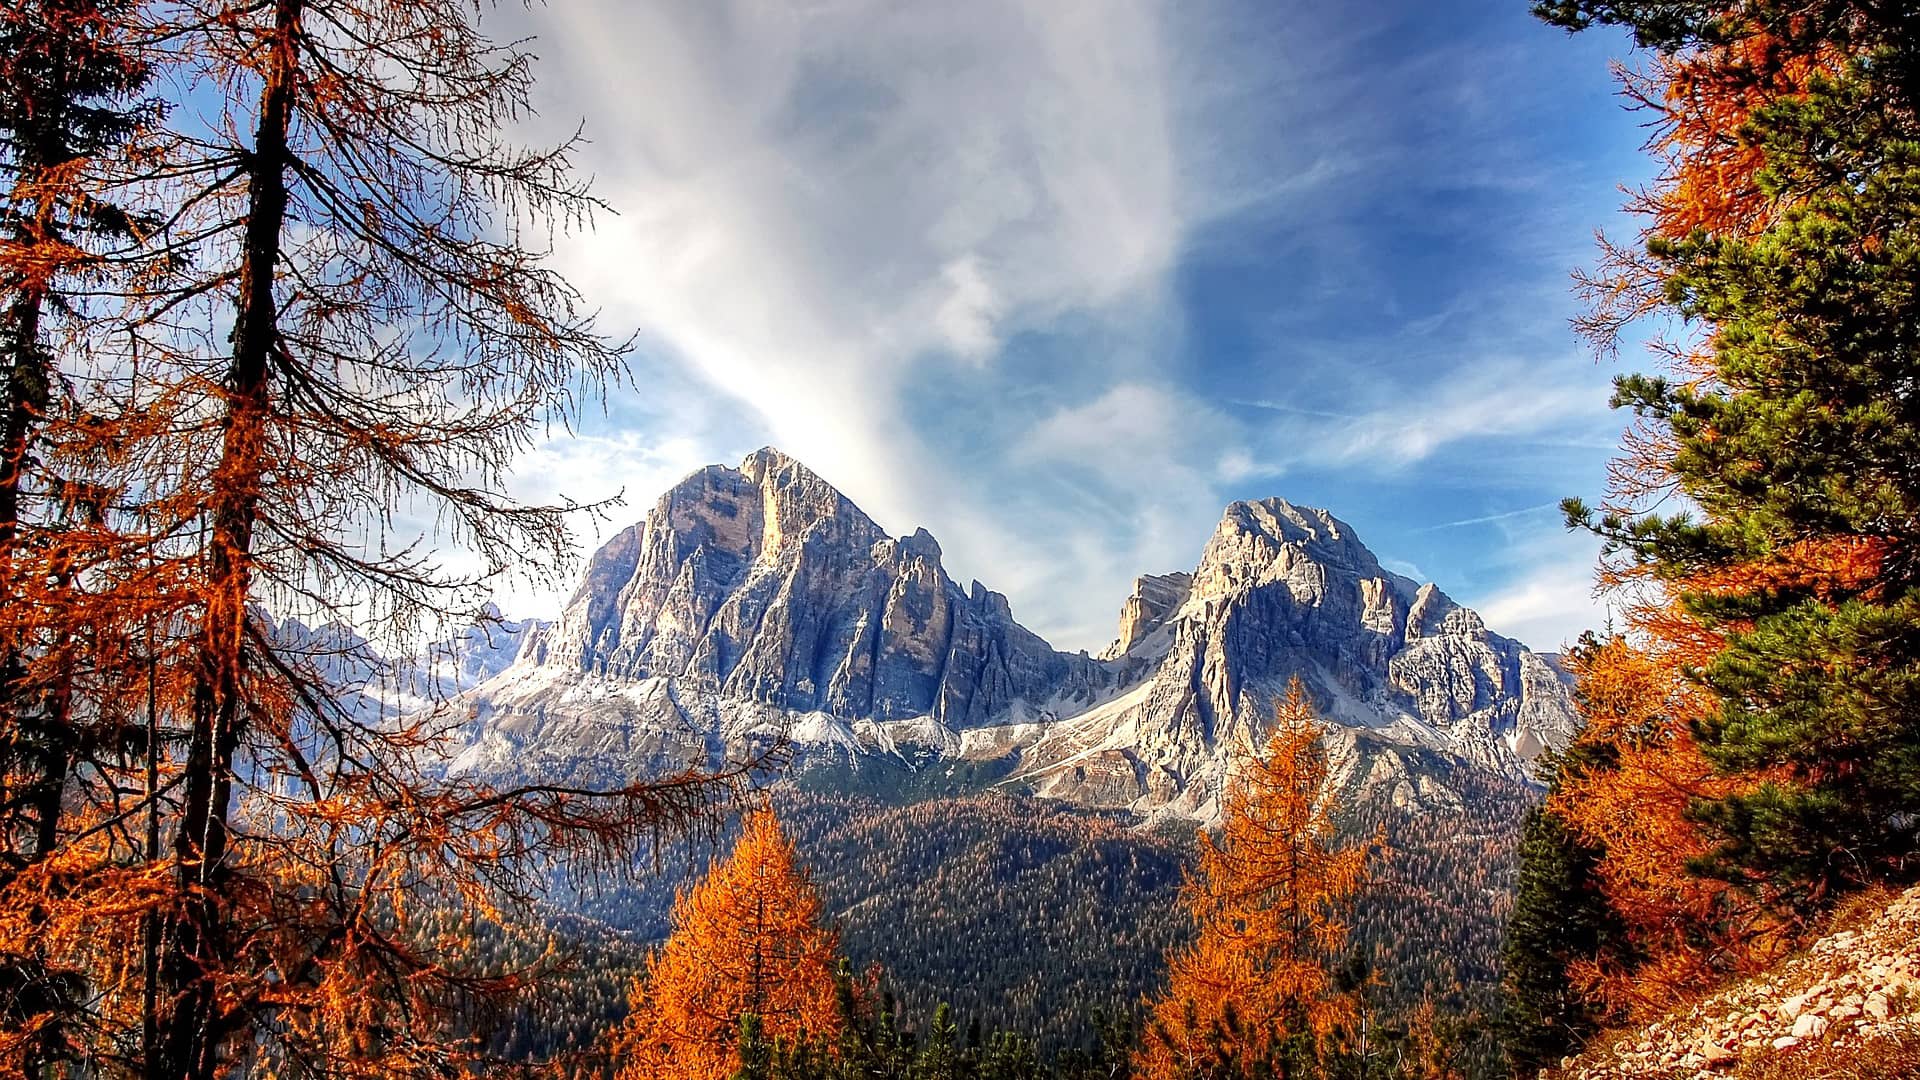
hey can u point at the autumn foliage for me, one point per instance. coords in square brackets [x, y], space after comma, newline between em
[1627, 790]
[1268, 899]
[270, 281]
[747, 941]
[1749, 752]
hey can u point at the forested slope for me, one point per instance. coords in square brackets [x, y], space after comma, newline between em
[1033, 916]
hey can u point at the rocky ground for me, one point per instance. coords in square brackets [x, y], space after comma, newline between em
[1849, 1006]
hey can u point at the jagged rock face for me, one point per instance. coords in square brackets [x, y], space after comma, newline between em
[759, 599]
[765, 585]
[1155, 597]
[1283, 592]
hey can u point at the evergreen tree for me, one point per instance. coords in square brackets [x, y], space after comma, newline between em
[756, 1054]
[1559, 915]
[940, 1059]
[1796, 447]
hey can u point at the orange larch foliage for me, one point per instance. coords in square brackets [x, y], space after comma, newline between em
[1709, 179]
[1631, 799]
[308, 314]
[1703, 99]
[1631, 803]
[746, 941]
[1268, 898]
[1630, 793]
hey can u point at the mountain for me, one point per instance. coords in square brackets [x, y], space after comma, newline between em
[1280, 592]
[371, 684]
[758, 601]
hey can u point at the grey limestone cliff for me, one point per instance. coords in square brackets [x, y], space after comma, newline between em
[1281, 592]
[760, 600]
[750, 593]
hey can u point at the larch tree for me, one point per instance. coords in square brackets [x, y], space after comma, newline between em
[1619, 829]
[747, 942]
[348, 325]
[68, 99]
[1254, 994]
[75, 129]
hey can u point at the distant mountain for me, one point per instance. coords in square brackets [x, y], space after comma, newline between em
[759, 601]
[1283, 591]
[372, 684]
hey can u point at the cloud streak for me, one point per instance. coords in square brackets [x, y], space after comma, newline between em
[984, 266]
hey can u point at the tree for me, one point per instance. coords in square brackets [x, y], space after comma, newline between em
[940, 1058]
[1254, 991]
[747, 941]
[72, 113]
[1792, 442]
[1625, 794]
[341, 320]
[1560, 918]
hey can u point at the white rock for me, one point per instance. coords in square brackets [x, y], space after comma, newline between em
[1715, 1055]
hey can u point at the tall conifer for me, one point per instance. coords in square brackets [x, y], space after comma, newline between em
[1794, 440]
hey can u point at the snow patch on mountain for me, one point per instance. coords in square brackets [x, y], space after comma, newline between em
[759, 601]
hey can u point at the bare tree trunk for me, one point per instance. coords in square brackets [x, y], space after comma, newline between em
[25, 397]
[190, 1044]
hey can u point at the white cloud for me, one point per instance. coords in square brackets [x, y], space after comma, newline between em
[968, 315]
[820, 203]
[812, 198]
[1134, 473]
[1551, 601]
[1488, 399]
[1134, 435]
[846, 221]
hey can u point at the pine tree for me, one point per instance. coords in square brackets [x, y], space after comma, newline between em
[1560, 916]
[1793, 438]
[940, 1058]
[747, 941]
[755, 1052]
[1254, 992]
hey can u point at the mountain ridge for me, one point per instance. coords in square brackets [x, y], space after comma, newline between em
[759, 602]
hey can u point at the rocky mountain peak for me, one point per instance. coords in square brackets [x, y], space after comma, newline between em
[760, 599]
[1283, 592]
[1154, 600]
[1272, 540]
[1253, 535]
[760, 590]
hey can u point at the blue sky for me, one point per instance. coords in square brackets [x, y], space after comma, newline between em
[1058, 280]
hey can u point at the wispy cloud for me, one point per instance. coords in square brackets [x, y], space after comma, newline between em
[1489, 519]
[823, 206]
[1488, 400]
[950, 255]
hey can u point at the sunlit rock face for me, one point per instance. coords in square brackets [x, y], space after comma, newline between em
[752, 596]
[757, 601]
[1155, 598]
[1284, 592]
